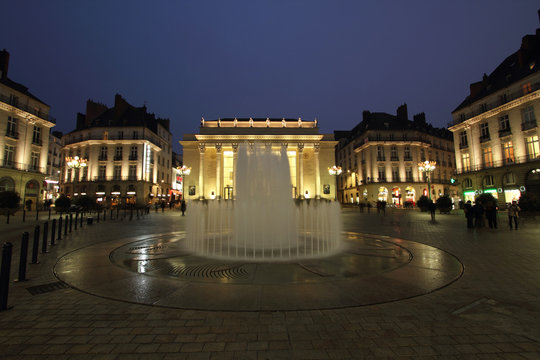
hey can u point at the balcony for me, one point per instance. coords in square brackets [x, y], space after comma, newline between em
[528, 125]
[505, 132]
[381, 158]
[463, 145]
[484, 138]
[394, 158]
[500, 163]
[118, 157]
[34, 111]
[8, 164]
[37, 142]
[12, 134]
[407, 158]
[102, 158]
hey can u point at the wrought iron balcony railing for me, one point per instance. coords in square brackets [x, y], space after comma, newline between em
[8, 164]
[34, 111]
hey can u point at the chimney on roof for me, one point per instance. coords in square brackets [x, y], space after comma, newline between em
[420, 118]
[93, 110]
[402, 114]
[366, 115]
[4, 63]
[120, 105]
[476, 88]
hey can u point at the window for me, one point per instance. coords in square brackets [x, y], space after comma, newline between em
[117, 172]
[393, 153]
[132, 172]
[465, 162]
[120, 135]
[36, 135]
[509, 179]
[527, 115]
[133, 154]
[487, 156]
[9, 155]
[408, 173]
[118, 153]
[437, 157]
[84, 173]
[450, 162]
[484, 131]
[395, 173]
[102, 172]
[11, 130]
[135, 134]
[407, 153]
[467, 183]
[380, 153]
[533, 150]
[34, 162]
[103, 153]
[508, 152]
[488, 180]
[526, 88]
[504, 123]
[382, 174]
[422, 155]
[68, 175]
[463, 139]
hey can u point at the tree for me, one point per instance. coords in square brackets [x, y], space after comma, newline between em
[485, 198]
[529, 202]
[85, 202]
[63, 203]
[444, 204]
[9, 202]
[423, 203]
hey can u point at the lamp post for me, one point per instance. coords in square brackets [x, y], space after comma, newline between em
[183, 171]
[75, 163]
[335, 171]
[427, 167]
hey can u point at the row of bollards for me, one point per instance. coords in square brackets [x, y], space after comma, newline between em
[65, 225]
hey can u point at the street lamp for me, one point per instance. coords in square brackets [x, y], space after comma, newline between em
[427, 167]
[183, 171]
[75, 162]
[335, 171]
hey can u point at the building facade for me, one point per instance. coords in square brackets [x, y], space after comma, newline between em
[213, 155]
[380, 156]
[127, 153]
[51, 189]
[495, 129]
[26, 124]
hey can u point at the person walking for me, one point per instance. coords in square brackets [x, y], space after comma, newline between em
[491, 214]
[183, 206]
[513, 214]
[469, 214]
[478, 211]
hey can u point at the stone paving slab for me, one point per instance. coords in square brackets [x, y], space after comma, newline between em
[501, 266]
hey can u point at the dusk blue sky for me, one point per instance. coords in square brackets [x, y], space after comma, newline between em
[328, 60]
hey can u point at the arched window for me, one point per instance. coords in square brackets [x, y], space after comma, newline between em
[467, 183]
[7, 184]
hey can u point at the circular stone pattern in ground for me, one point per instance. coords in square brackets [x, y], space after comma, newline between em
[157, 270]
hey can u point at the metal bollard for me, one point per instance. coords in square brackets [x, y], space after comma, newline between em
[82, 220]
[70, 221]
[60, 227]
[45, 237]
[76, 218]
[131, 215]
[66, 226]
[23, 215]
[98, 215]
[104, 214]
[7, 249]
[35, 246]
[8, 217]
[112, 214]
[37, 214]
[49, 213]
[24, 256]
[53, 231]
[117, 213]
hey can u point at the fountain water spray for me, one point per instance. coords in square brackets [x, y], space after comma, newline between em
[264, 223]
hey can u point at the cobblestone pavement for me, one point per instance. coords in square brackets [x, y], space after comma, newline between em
[492, 312]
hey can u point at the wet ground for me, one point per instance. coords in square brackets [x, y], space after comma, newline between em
[93, 309]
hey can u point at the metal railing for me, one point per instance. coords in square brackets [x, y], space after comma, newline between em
[8, 164]
[76, 139]
[107, 178]
[37, 112]
[499, 163]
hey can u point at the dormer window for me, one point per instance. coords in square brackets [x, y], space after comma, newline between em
[526, 88]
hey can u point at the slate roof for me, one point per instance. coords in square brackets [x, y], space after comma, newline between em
[519, 65]
[19, 87]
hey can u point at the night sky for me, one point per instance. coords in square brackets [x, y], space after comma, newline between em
[328, 60]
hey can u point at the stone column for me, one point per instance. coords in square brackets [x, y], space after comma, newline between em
[316, 149]
[218, 171]
[300, 170]
[235, 162]
[201, 170]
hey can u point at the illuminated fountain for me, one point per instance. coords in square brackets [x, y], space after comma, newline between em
[264, 223]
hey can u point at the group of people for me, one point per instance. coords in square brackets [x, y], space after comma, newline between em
[475, 214]
[171, 205]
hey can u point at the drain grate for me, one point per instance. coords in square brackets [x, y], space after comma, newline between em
[213, 271]
[45, 288]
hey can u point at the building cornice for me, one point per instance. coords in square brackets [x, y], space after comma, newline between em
[113, 142]
[25, 115]
[505, 107]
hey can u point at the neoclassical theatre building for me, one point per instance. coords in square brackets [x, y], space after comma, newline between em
[213, 155]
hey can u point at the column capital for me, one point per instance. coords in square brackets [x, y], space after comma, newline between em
[300, 147]
[218, 148]
[202, 147]
[235, 147]
[316, 147]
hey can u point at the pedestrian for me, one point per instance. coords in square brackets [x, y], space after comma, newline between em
[383, 207]
[513, 214]
[432, 208]
[183, 206]
[163, 206]
[478, 211]
[469, 214]
[491, 214]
